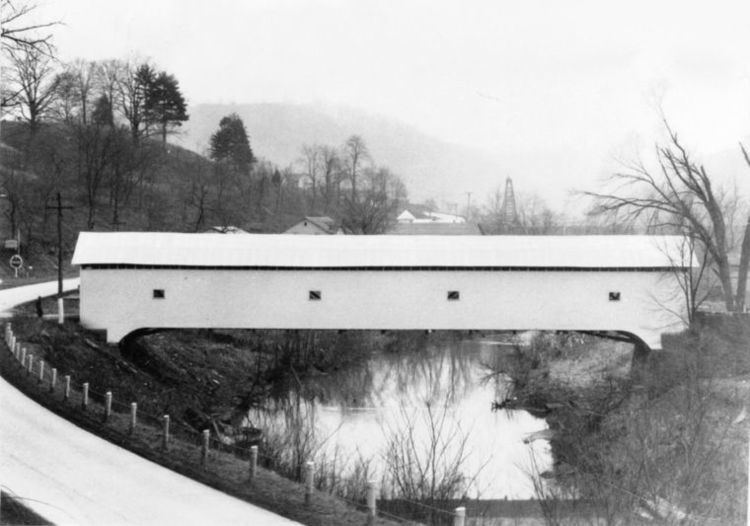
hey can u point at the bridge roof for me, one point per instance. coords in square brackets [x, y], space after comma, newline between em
[361, 252]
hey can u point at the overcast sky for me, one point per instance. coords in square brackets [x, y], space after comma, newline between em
[584, 76]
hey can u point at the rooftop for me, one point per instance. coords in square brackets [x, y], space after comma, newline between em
[284, 251]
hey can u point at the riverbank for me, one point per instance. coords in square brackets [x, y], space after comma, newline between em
[664, 443]
[88, 359]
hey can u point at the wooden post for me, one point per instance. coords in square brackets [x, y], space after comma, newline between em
[133, 415]
[53, 380]
[253, 462]
[309, 467]
[60, 311]
[66, 394]
[85, 399]
[107, 405]
[31, 364]
[372, 511]
[459, 516]
[204, 447]
[41, 371]
[165, 438]
[23, 356]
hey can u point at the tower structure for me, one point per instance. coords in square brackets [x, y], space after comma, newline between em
[508, 213]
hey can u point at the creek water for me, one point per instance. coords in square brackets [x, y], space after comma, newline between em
[432, 405]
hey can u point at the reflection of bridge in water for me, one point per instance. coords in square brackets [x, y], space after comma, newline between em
[617, 285]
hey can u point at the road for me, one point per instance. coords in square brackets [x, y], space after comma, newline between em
[73, 477]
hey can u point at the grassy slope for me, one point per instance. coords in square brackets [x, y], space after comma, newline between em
[195, 377]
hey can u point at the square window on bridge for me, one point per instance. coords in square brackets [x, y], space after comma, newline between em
[315, 295]
[614, 296]
[159, 294]
[454, 295]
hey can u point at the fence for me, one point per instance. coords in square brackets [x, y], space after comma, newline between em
[202, 446]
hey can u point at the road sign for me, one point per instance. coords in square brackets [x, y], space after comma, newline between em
[16, 262]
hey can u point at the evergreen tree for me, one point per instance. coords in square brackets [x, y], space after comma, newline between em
[231, 145]
[103, 114]
[164, 104]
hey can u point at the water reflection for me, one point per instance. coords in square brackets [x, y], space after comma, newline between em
[430, 395]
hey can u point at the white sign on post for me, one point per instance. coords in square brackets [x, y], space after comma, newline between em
[16, 262]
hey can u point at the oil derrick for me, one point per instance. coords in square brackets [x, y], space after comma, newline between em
[508, 214]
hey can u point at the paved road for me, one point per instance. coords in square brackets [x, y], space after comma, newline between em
[77, 478]
[12, 297]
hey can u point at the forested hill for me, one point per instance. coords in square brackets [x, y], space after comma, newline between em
[430, 168]
[112, 183]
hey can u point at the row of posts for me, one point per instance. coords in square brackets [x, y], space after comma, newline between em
[27, 362]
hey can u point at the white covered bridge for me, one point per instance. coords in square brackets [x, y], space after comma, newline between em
[629, 285]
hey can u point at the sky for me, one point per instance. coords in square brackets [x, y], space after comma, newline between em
[590, 78]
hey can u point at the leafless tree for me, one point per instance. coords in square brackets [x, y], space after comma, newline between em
[84, 73]
[311, 163]
[355, 154]
[33, 80]
[108, 76]
[679, 197]
[17, 31]
[744, 252]
[330, 164]
[131, 96]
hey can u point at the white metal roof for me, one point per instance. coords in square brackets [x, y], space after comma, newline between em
[279, 250]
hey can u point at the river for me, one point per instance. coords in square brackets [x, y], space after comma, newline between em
[427, 406]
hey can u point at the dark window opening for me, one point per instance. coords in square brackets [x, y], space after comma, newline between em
[315, 295]
[614, 296]
[159, 294]
[453, 295]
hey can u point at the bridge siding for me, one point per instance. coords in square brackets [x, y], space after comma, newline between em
[120, 300]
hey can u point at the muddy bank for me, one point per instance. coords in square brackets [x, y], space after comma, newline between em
[205, 378]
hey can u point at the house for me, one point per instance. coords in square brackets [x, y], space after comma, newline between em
[315, 226]
[422, 214]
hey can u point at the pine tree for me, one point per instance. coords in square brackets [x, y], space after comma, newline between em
[164, 104]
[231, 145]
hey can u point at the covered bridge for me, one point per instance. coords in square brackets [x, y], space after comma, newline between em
[624, 284]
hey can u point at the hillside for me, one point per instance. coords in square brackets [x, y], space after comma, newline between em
[430, 167]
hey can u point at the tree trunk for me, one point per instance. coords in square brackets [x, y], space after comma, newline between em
[725, 277]
[743, 270]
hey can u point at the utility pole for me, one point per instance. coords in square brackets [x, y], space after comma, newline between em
[468, 206]
[59, 207]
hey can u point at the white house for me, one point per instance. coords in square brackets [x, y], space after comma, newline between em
[626, 284]
[315, 226]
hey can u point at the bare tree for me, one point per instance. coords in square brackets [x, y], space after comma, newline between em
[131, 95]
[33, 80]
[17, 31]
[330, 165]
[84, 73]
[109, 75]
[744, 252]
[355, 154]
[678, 197]
[311, 163]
